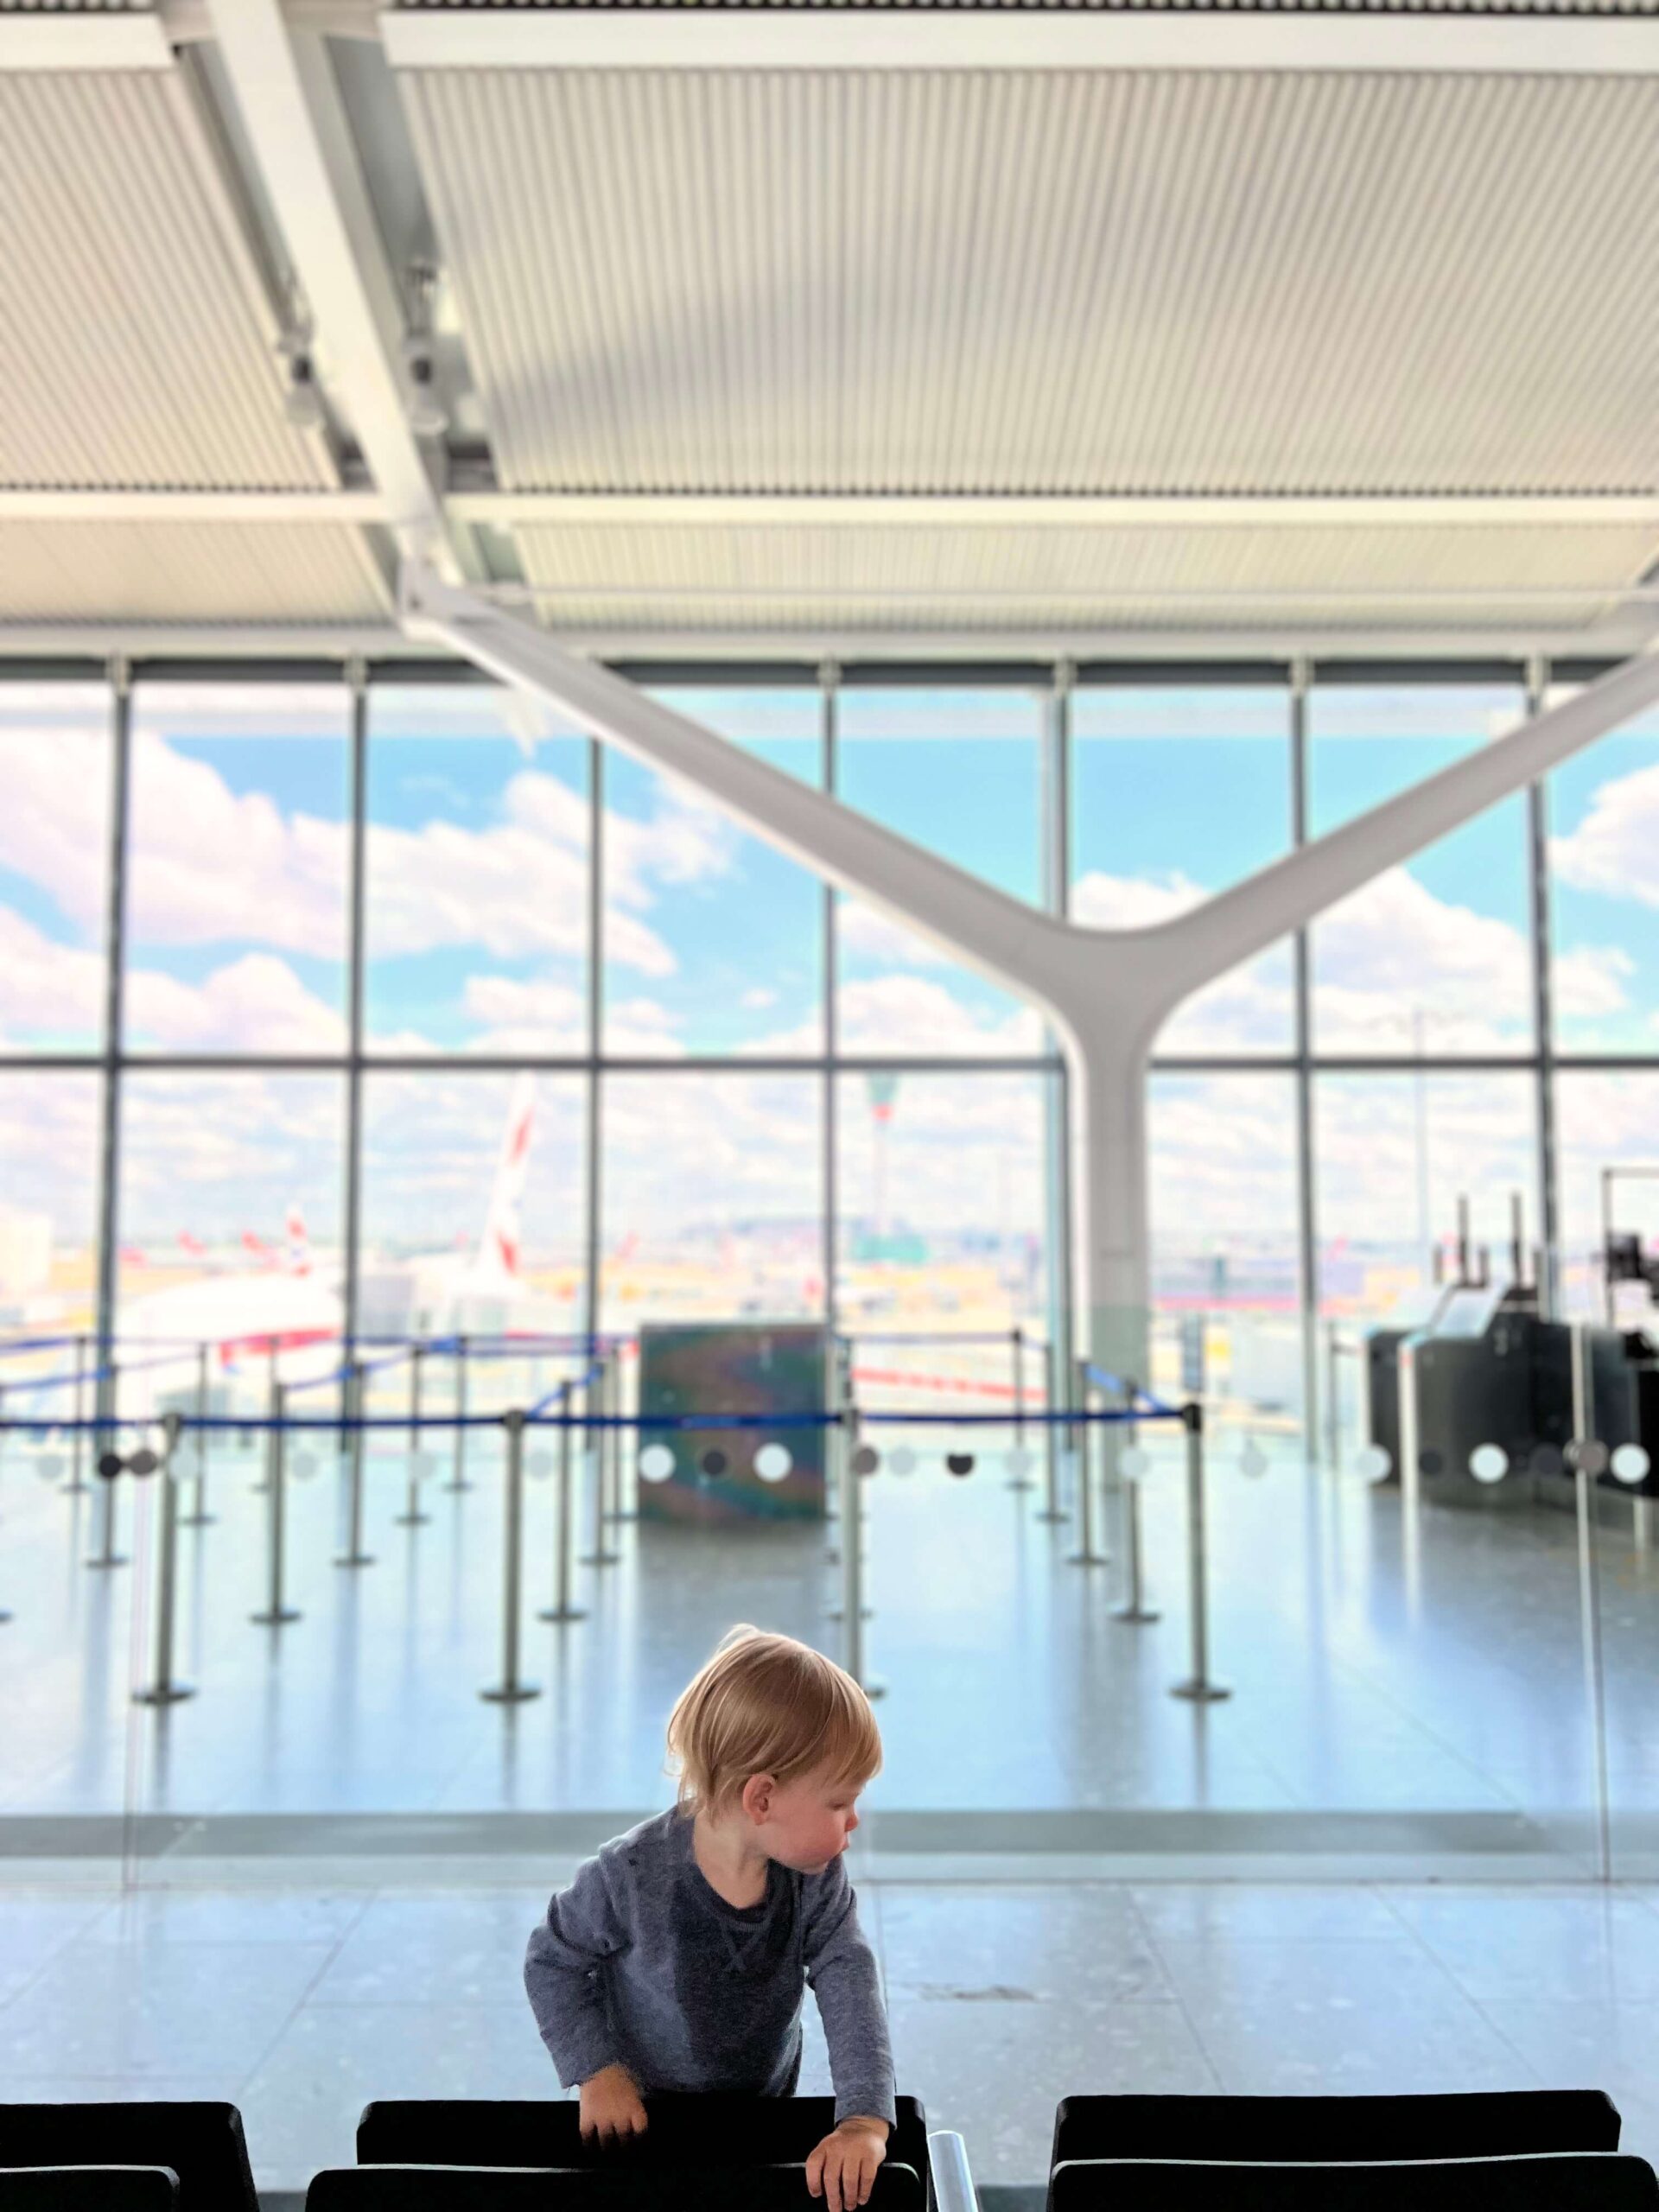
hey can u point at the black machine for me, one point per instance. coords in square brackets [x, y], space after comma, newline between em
[1478, 1365]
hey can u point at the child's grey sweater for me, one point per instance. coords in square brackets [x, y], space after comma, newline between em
[640, 1963]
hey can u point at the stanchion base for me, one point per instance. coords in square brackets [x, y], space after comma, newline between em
[512, 1694]
[1200, 1693]
[172, 1693]
[5, 1615]
[1053, 1518]
[450, 1489]
[1089, 1559]
[563, 1613]
[1021, 1484]
[355, 1558]
[621, 1517]
[74, 1490]
[258, 1490]
[599, 1559]
[411, 1520]
[1137, 1616]
[197, 1520]
[122, 1560]
[276, 1620]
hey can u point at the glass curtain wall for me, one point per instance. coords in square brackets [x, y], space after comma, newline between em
[297, 972]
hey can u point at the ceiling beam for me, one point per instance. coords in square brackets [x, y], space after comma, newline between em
[95, 505]
[652, 509]
[1019, 40]
[283, 85]
[90, 41]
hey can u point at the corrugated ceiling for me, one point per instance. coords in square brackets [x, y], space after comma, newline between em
[1073, 7]
[1098, 282]
[972, 577]
[130, 350]
[186, 572]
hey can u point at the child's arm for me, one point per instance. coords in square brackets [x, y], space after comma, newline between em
[566, 1950]
[842, 1973]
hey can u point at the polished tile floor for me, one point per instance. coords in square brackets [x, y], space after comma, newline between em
[301, 2005]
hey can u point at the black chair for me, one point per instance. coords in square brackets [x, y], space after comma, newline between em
[202, 2144]
[624, 2187]
[88, 2189]
[1591, 2181]
[1328, 2130]
[684, 2131]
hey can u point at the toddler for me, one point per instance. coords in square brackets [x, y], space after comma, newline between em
[677, 1958]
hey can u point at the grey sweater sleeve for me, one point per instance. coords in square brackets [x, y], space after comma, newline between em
[842, 1973]
[561, 1964]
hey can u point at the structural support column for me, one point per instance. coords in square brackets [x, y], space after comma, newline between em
[1549, 1224]
[1057, 1103]
[1308, 1239]
[829, 686]
[357, 677]
[593, 1308]
[114, 929]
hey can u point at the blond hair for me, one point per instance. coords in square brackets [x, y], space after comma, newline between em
[765, 1704]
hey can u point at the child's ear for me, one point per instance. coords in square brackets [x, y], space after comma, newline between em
[758, 1793]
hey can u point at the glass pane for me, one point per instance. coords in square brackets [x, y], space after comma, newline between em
[473, 1205]
[476, 874]
[942, 1231]
[49, 1136]
[229, 1208]
[1603, 814]
[238, 867]
[713, 940]
[712, 1195]
[1224, 1243]
[959, 773]
[1177, 794]
[1395, 1154]
[1602, 1123]
[1433, 958]
[55, 843]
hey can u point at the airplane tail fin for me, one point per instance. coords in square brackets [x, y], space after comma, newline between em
[298, 1254]
[498, 1253]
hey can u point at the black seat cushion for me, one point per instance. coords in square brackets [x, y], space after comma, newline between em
[203, 2145]
[623, 2186]
[704, 2130]
[88, 2189]
[1593, 2181]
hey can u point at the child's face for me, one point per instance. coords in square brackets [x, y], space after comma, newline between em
[807, 1822]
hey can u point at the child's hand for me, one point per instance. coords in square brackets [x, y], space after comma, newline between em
[842, 2168]
[611, 2109]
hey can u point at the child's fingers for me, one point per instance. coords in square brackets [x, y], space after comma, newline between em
[815, 2173]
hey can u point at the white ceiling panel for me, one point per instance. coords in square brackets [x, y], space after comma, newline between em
[186, 572]
[957, 281]
[132, 348]
[973, 578]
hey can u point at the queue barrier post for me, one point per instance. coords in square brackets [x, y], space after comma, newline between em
[458, 1472]
[563, 1607]
[162, 1689]
[1087, 1554]
[106, 1554]
[199, 1516]
[411, 1516]
[1587, 1458]
[277, 1611]
[1051, 1509]
[511, 1689]
[1197, 1688]
[593, 1411]
[355, 1555]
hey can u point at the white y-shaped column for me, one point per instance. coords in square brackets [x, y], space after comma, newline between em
[1107, 992]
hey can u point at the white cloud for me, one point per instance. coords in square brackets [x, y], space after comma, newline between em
[1615, 848]
[758, 999]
